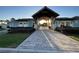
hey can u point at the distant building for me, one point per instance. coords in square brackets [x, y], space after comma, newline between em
[3, 24]
[28, 22]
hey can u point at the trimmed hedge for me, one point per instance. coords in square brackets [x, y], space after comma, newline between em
[0, 27]
[65, 30]
[21, 29]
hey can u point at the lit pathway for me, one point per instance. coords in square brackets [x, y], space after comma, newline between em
[49, 41]
[38, 42]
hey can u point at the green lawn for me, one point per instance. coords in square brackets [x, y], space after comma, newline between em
[12, 40]
[74, 36]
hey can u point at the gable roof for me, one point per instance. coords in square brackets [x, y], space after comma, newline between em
[25, 19]
[45, 11]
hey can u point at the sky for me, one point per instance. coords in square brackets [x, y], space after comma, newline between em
[8, 12]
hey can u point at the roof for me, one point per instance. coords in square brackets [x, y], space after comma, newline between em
[45, 11]
[25, 19]
[76, 17]
[64, 18]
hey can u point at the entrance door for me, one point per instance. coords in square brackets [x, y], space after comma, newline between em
[43, 24]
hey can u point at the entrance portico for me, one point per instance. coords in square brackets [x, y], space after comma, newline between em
[44, 18]
[44, 22]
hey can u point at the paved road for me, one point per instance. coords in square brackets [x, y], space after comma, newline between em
[49, 41]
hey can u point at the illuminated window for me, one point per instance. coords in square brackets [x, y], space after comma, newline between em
[42, 21]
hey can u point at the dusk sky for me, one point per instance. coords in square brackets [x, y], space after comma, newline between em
[7, 12]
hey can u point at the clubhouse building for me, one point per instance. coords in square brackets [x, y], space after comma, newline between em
[45, 18]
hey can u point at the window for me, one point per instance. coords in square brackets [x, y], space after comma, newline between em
[55, 22]
[25, 23]
[67, 23]
[71, 22]
[20, 23]
[76, 21]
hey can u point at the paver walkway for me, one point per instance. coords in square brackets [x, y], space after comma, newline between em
[38, 42]
[49, 41]
[64, 42]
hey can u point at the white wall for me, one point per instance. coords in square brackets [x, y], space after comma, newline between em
[76, 23]
[58, 23]
[4, 26]
[21, 23]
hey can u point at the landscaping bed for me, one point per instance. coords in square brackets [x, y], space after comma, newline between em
[72, 32]
[21, 29]
[73, 36]
[12, 40]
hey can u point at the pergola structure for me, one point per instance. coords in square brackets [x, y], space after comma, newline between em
[44, 18]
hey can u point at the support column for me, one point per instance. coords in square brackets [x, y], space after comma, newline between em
[52, 23]
[37, 22]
